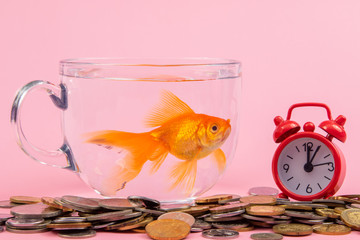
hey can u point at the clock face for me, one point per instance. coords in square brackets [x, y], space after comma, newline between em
[306, 166]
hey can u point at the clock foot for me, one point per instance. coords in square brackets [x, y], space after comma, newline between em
[282, 195]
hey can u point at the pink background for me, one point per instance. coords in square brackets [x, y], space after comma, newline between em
[291, 52]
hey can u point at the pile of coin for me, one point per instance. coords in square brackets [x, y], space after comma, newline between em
[218, 216]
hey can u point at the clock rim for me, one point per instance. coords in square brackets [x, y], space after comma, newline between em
[331, 188]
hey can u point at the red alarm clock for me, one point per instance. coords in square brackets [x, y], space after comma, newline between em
[307, 165]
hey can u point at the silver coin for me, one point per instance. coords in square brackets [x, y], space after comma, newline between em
[37, 210]
[220, 234]
[266, 236]
[281, 217]
[194, 229]
[263, 191]
[228, 214]
[147, 202]
[26, 223]
[201, 224]
[150, 211]
[173, 207]
[257, 218]
[113, 216]
[101, 225]
[306, 215]
[227, 219]
[330, 202]
[118, 204]
[1, 228]
[17, 230]
[309, 221]
[81, 202]
[69, 220]
[86, 233]
[8, 204]
[5, 216]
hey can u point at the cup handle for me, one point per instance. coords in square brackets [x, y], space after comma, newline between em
[55, 158]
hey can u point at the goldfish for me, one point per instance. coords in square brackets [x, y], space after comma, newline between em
[178, 130]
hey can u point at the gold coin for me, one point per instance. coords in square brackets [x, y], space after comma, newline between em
[229, 208]
[52, 203]
[141, 224]
[259, 200]
[196, 210]
[331, 229]
[293, 229]
[80, 225]
[24, 199]
[167, 229]
[265, 210]
[327, 212]
[339, 209]
[213, 199]
[245, 229]
[296, 207]
[351, 217]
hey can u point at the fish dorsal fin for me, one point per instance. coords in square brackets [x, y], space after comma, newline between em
[170, 107]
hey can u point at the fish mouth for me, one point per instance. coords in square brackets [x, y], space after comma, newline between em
[226, 133]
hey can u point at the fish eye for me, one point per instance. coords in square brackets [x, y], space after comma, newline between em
[214, 128]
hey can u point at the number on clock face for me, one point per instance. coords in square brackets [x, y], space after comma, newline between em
[306, 166]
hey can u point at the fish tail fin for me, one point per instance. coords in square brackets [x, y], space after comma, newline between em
[139, 147]
[184, 175]
[219, 157]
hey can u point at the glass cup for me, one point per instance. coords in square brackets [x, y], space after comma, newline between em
[162, 128]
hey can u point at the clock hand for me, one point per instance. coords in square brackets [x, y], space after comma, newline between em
[327, 163]
[317, 149]
[308, 149]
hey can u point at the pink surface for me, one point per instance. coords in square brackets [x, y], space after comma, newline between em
[291, 52]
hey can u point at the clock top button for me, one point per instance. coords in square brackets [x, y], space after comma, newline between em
[309, 127]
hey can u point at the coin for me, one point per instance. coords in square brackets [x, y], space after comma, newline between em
[69, 219]
[309, 221]
[259, 200]
[228, 214]
[234, 198]
[5, 216]
[147, 202]
[339, 209]
[169, 229]
[1, 228]
[118, 204]
[260, 224]
[37, 210]
[113, 216]
[150, 211]
[55, 204]
[80, 202]
[246, 229]
[229, 208]
[87, 233]
[351, 217]
[7, 204]
[180, 216]
[132, 225]
[330, 202]
[16, 230]
[266, 236]
[327, 212]
[263, 191]
[201, 224]
[259, 210]
[355, 205]
[69, 226]
[331, 229]
[213, 199]
[297, 207]
[293, 229]
[196, 210]
[174, 207]
[23, 223]
[123, 224]
[25, 199]
[224, 219]
[306, 215]
[231, 226]
[220, 234]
